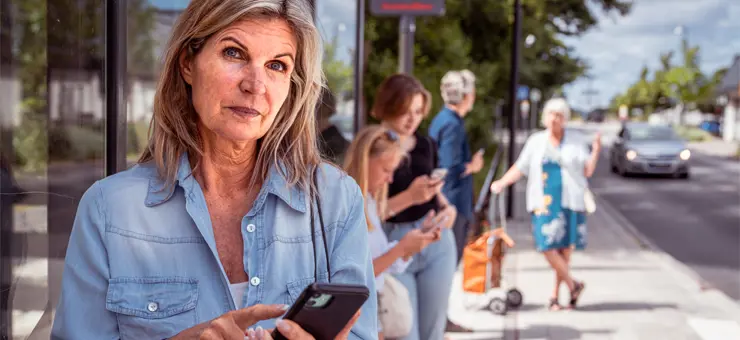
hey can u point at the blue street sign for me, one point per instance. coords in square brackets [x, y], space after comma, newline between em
[522, 92]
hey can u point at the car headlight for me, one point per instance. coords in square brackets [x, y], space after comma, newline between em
[685, 155]
[631, 155]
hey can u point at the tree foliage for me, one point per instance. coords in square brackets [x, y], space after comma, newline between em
[477, 35]
[682, 83]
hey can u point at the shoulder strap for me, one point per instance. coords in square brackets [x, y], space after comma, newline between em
[316, 196]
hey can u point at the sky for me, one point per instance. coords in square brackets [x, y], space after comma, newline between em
[616, 49]
[619, 47]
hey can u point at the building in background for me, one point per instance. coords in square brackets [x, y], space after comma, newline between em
[729, 94]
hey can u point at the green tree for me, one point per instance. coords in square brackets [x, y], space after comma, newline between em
[684, 84]
[476, 35]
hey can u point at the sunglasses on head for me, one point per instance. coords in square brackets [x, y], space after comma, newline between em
[391, 135]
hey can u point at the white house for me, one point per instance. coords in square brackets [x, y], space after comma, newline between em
[729, 93]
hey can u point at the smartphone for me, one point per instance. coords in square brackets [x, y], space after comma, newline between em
[436, 226]
[323, 309]
[439, 173]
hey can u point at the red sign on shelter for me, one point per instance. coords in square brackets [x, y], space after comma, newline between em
[407, 7]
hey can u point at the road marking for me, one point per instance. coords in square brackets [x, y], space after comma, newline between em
[644, 205]
[715, 329]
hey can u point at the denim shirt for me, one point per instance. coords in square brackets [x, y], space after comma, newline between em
[448, 131]
[142, 262]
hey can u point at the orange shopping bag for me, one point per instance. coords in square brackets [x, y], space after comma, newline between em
[476, 259]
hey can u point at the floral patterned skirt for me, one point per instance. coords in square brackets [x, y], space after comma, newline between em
[555, 227]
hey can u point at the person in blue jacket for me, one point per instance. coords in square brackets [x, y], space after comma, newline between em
[448, 131]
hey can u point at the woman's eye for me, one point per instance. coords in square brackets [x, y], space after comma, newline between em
[232, 52]
[277, 66]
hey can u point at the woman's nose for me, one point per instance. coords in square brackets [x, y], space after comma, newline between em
[254, 80]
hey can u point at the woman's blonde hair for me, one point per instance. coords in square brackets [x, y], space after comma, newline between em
[290, 144]
[372, 141]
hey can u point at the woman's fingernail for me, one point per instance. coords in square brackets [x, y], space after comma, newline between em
[281, 307]
[260, 333]
[283, 326]
[251, 334]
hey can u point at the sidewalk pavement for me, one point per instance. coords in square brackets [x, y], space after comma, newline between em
[633, 291]
[716, 147]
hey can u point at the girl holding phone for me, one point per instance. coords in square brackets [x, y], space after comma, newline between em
[371, 160]
[401, 103]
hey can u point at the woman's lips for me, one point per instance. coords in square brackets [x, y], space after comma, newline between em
[246, 112]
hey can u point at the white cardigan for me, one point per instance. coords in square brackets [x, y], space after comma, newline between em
[573, 154]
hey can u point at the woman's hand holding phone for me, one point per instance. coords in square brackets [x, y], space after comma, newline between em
[292, 331]
[446, 217]
[232, 325]
[416, 240]
[424, 188]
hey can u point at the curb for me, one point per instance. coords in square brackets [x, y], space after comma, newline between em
[668, 261]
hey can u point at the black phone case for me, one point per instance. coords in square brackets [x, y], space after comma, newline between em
[327, 322]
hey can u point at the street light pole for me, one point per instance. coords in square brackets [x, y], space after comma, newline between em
[513, 84]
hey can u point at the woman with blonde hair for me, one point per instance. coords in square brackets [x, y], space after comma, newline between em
[230, 213]
[557, 164]
[371, 160]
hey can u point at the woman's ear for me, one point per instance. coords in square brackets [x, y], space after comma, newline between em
[186, 65]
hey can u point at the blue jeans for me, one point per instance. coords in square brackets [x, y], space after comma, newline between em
[429, 281]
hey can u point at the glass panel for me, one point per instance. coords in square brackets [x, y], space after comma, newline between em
[336, 22]
[52, 147]
[150, 23]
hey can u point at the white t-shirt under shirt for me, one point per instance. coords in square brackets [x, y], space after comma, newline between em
[237, 292]
[379, 244]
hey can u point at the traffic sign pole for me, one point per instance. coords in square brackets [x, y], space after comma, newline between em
[406, 30]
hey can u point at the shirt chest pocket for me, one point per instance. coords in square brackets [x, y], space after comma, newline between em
[152, 307]
[296, 287]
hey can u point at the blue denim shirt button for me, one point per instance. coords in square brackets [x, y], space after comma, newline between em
[250, 228]
[152, 307]
[255, 281]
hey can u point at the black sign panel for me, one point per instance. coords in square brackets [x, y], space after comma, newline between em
[407, 7]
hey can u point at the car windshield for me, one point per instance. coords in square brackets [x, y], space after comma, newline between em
[652, 133]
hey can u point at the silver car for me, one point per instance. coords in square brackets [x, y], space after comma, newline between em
[644, 148]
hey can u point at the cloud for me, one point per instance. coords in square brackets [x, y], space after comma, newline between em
[620, 46]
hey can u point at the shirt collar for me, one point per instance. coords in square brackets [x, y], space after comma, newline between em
[159, 192]
[452, 112]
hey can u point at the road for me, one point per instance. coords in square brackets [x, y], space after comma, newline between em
[697, 221]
